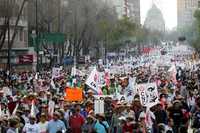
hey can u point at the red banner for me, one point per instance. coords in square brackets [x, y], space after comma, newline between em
[25, 59]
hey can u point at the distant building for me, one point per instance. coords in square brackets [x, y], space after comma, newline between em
[134, 10]
[185, 12]
[154, 20]
[128, 8]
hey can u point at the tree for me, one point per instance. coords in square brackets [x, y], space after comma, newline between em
[196, 39]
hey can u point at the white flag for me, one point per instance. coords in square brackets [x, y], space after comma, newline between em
[53, 84]
[93, 80]
[15, 110]
[148, 94]
[51, 108]
[33, 114]
[36, 76]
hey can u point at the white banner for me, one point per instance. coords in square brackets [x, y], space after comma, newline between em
[148, 94]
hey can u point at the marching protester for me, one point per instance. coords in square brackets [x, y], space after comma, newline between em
[128, 99]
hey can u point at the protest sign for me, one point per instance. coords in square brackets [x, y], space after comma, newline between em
[93, 80]
[120, 98]
[148, 94]
[129, 91]
[76, 71]
[56, 72]
[99, 106]
[73, 94]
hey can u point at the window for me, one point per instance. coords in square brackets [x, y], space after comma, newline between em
[21, 35]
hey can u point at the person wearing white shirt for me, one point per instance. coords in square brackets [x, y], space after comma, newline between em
[31, 127]
[43, 124]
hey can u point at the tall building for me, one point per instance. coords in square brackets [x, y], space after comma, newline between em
[185, 12]
[129, 8]
[20, 49]
[134, 10]
[154, 20]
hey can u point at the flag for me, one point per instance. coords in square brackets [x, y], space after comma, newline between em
[53, 84]
[15, 110]
[36, 76]
[107, 78]
[93, 80]
[33, 113]
[173, 73]
[51, 108]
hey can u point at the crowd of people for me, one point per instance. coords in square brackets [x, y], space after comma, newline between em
[26, 96]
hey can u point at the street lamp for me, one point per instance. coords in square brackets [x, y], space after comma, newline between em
[35, 38]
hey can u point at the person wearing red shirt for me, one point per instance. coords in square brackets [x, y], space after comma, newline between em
[76, 121]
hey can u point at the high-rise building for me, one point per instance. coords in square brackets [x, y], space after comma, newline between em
[129, 8]
[185, 12]
[134, 10]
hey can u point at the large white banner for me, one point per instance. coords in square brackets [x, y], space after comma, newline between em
[148, 94]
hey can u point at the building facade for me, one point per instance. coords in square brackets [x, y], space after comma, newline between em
[185, 12]
[20, 54]
[134, 10]
[128, 8]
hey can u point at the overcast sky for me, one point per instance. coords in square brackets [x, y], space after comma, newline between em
[168, 8]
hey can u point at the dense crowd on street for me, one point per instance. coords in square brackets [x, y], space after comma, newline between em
[26, 99]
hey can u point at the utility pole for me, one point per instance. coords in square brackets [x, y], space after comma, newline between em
[8, 41]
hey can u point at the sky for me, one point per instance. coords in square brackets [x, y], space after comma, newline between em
[168, 8]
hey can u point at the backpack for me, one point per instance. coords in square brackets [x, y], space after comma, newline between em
[102, 125]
